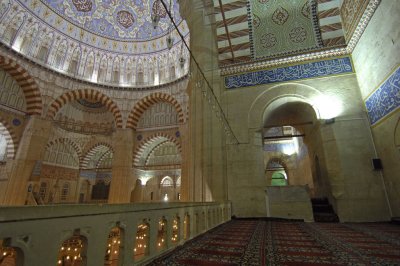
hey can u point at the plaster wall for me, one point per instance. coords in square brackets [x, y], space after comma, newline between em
[344, 147]
[375, 57]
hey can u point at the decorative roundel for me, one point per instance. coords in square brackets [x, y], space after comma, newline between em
[83, 5]
[125, 18]
[177, 134]
[139, 137]
[158, 9]
[16, 122]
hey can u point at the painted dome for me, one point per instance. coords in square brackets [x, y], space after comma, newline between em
[109, 42]
[124, 20]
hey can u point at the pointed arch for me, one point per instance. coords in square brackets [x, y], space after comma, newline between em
[67, 141]
[145, 144]
[93, 150]
[141, 106]
[11, 138]
[33, 98]
[85, 94]
[296, 91]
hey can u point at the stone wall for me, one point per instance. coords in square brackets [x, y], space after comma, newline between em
[376, 56]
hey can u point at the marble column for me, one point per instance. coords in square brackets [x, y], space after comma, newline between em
[31, 149]
[122, 179]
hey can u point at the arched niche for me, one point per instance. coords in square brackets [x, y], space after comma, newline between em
[288, 127]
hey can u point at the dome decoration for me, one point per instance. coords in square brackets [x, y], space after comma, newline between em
[125, 18]
[158, 9]
[107, 42]
[83, 5]
[117, 20]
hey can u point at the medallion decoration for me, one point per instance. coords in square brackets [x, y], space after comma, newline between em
[83, 5]
[268, 40]
[125, 18]
[281, 28]
[119, 20]
[158, 9]
[280, 16]
[298, 35]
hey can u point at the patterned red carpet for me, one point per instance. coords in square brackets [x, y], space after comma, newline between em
[262, 242]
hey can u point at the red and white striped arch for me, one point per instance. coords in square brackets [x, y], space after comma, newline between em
[93, 150]
[144, 144]
[67, 141]
[85, 94]
[33, 98]
[141, 106]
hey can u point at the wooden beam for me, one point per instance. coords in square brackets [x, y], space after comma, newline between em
[226, 29]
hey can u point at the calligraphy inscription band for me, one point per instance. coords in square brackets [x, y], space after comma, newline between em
[385, 99]
[290, 73]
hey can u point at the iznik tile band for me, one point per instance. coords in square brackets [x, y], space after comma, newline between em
[385, 99]
[303, 71]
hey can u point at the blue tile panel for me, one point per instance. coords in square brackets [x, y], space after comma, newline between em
[385, 99]
[303, 71]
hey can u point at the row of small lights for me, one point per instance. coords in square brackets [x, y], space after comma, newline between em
[161, 232]
[72, 250]
[140, 237]
[114, 245]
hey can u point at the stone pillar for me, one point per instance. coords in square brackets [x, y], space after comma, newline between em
[153, 237]
[31, 149]
[121, 180]
[185, 196]
[78, 189]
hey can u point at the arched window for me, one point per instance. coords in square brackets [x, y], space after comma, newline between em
[114, 247]
[73, 251]
[43, 52]
[65, 191]
[43, 190]
[175, 230]
[278, 179]
[142, 242]
[140, 78]
[12, 28]
[74, 63]
[10, 255]
[89, 67]
[162, 234]
[60, 54]
[116, 74]
[167, 182]
[102, 74]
